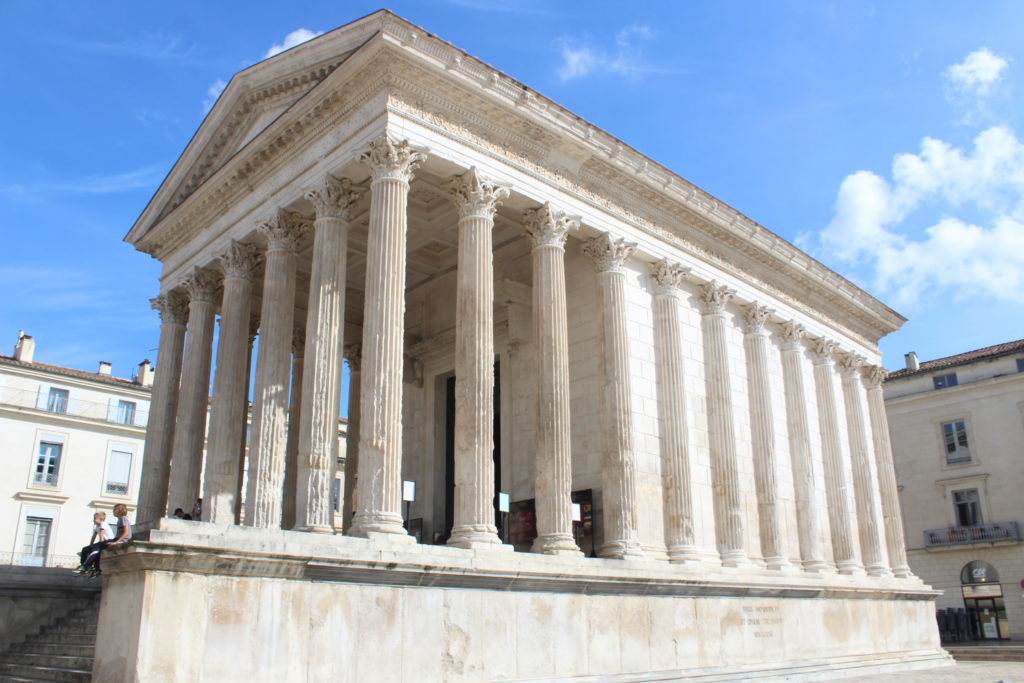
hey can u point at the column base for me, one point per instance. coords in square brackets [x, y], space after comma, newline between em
[879, 570]
[556, 544]
[779, 563]
[365, 523]
[735, 558]
[622, 550]
[684, 554]
[816, 567]
[315, 529]
[474, 535]
[849, 568]
[903, 572]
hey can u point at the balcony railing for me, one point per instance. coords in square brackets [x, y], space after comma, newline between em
[76, 407]
[962, 535]
[32, 560]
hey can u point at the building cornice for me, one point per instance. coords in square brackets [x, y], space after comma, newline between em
[74, 378]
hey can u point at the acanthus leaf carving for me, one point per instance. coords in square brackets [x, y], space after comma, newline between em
[714, 297]
[172, 307]
[608, 253]
[202, 285]
[755, 316]
[668, 276]
[476, 196]
[391, 159]
[548, 227]
[822, 348]
[284, 230]
[239, 261]
[334, 197]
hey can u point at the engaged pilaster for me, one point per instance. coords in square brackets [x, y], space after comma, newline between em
[227, 423]
[190, 425]
[291, 451]
[721, 428]
[273, 366]
[548, 230]
[477, 200]
[380, 441]
[836, 485]
[677, 481]
[801, 460]
[333, 200]
[894, 541]
[618, 470]
[173, 309]
[762, 434]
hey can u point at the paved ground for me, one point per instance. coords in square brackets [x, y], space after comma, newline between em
[962, 672]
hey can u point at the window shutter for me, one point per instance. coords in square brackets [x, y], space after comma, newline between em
[44, 393]
[112, 410]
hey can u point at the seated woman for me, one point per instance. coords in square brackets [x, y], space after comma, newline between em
[122, 535]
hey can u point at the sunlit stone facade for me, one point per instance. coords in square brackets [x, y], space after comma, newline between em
[529, 308]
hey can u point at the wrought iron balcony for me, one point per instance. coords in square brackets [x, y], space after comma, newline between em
[963, 535]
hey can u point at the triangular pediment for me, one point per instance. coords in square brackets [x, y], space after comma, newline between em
[253, 100]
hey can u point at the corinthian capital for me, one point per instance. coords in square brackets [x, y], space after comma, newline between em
[476, 197]
[875, 375]
[284, 230]
[239, 261]
[334, 197]
[668, 276]
[172, 307]
[608, 253]
[755, 316]
[851, 362]
[202, 285]
[792, 332]
[547, 227]
[390, 159]
[822, 349]
[354, 356]
[714, 297]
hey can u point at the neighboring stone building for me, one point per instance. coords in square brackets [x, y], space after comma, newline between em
[539, 319]
[71, 445]
[957, 427]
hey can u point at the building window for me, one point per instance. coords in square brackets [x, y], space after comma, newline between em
[57, 401]
[119, 471]
[967, 505]
[37, 540]
[943, 381]
[48, 463]
[337, 495]
[954, 436]
[1020, 365]
[126, 412]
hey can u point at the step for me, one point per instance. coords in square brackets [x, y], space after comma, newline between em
[55, 648]
[69, 629]
[45, 673]
[49, 660]
[69, 638]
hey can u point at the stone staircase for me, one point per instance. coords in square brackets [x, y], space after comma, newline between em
[987, 653]
[61, 650]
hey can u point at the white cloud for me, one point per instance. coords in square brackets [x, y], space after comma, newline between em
[296, 37]
[872, 224]
[580, 58]
[978, 74]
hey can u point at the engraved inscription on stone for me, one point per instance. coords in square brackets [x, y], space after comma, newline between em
[763, 620]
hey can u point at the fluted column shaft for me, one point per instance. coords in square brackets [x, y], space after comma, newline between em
[380, 440]
[229, 388]
[477, 200]
[273, 366]
[354, 356]
[836, 484]
[677, 482]
[891, 515]
[190, 425]
[163, 406]
[721, 428]
[801, 459]
[618, 470]
[865, 490]
[762, 432]
[291, 451]
[548, 231]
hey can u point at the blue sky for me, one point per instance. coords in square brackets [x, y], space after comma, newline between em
[880, 137]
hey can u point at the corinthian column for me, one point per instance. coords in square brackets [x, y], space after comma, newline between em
[291, 450]
[865, 493]
[676, 479]
[273, 361]
[477, 200]
[762, 434]
[721, 428]
[548, 230]
[229, 386]
[801, 460]
[894, 541]
[173, 309]
[353, 354]
[836, 485]
[380, 440]
[618, 468]
[190, 426]
[321, 377]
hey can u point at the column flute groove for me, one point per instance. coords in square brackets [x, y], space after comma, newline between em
[173, 309]
[762, 432]
[618, 469]
[729, 527]
[548, 230]
[380, 440]
[836, 484]
[477, 200]
[677, 481]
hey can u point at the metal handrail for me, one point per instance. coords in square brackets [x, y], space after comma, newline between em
[981, 533]
[32, 560]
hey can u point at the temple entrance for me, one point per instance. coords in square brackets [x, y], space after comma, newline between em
[449, 453]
